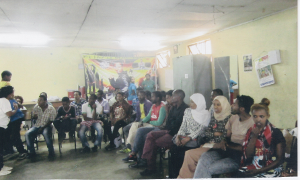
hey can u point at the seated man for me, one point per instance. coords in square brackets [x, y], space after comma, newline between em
[225, 156]
[163, 138]
[139, 130]
[77, 103]
[142, 109]
[45, 114]
[65, 120]
[90, 112]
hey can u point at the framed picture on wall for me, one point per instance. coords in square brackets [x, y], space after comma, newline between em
[247, 63]
[175, 48]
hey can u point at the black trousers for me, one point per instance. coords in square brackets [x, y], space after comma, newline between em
[112, 135]
[2, 134]
[13, 137]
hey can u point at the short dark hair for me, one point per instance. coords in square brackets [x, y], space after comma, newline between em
[170, 92]
[44, 97]
[180, 93]
[44, 93]
[245, 102]
[142, 92]
[65, 99]
[100, 91]
[78, 92]
[163, 93]
[121, 93]
[93, 96]
[5, 73]
[5, 91]
[157, 94]
[21, 98]
[148, 93]
[218, 91]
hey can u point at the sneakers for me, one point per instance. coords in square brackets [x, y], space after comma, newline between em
[139, 164]
[130, 158]
[147, 172]
[6, 168]
[125, 150]
[95, 149]
[85, 150]
[4, 172]
[22, 156]
[110, 147]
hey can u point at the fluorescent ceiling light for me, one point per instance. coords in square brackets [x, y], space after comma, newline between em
[141, 43]
[29, 39]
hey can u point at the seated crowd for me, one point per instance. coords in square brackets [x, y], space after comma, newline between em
[235, 139]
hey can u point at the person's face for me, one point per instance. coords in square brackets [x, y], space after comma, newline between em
[11, 96]
[235, 109]
[193, 105]
[119, 97]
[92, 100]
[41, 101]
[19, 101]
[148, 77]
[175, 98]
[163, 98]
[141, 96]
[213, 95]
[153, 98]
[260, 117]
[169, 99]
[132, 80]
[76, 95]
[99, 95]
[66, 105]
[217, 106]
[7, 78]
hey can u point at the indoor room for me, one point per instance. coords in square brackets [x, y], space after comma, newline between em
[134, 89]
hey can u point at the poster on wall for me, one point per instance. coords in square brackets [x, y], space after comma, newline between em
[110, 72]
[264, 71]
[247, 63]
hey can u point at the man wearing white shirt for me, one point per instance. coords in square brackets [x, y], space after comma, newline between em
[91, 111]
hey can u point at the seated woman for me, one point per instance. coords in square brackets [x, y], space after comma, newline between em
[120, 115]
[264, 145]
[215, 133]
[195, 121]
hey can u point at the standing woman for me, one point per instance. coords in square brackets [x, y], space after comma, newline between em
[215, 133]
[264, 145]
[131, 91]
[195, 121]
[6, 93]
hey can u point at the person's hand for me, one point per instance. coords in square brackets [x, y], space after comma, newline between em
[177, 141]
[185, 140]
[94, 106]
[252, 172]
[221, 145]
[218, 134]
[16, 106]
[255, 132]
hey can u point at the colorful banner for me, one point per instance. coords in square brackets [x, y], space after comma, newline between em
[108, 72]
[264, 71]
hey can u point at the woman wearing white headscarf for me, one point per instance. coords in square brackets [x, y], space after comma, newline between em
[195, 121]
[213, 134]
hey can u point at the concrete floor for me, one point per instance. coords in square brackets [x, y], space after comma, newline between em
[75, 165]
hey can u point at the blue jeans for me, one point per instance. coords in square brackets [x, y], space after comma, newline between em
[83, 138]
[212, 162]
[33, 132]
[140, 139]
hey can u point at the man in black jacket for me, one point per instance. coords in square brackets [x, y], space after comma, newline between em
[163, 138]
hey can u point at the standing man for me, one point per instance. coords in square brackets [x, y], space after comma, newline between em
[6, 76]
[225, 156]
[65, 120]
[77, 103]
[148, 84]
[45, 115]
[90, 112]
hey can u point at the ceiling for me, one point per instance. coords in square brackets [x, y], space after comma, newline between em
[124, 24]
